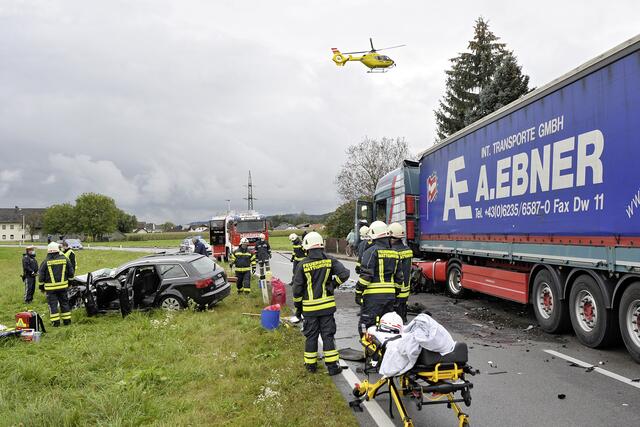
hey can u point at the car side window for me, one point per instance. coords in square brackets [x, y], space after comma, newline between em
[171, 271]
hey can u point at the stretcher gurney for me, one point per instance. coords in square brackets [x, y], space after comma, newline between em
[434, 379]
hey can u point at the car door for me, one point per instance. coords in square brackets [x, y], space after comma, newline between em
[174, 278]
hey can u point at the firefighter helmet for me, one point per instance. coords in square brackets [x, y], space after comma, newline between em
[293, 237]
[262, 236]
[378, 230]
[53, 248]
[244, 241]
[396, 230]
[391, 322]
[364, 230]
[312, 240]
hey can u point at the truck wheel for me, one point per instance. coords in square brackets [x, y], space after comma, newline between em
[629, 319]
[593, 324]
[454, 281]
[551, 312]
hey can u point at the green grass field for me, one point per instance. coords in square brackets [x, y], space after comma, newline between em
[158, 368]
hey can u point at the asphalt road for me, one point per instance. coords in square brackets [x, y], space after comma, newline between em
[523, 384]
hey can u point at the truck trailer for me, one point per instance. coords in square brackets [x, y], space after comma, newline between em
[538, 203]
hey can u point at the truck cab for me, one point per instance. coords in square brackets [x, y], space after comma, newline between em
[394, 200]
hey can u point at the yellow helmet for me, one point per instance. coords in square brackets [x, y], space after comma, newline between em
[378, 230]
[396, 230]
[312, 240]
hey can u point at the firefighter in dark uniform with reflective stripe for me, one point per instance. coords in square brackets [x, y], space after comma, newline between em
[68, 252]
[54, 274]
[379, 277]
[365, 243]
[298, 252]
[244, 262]
[405, 254]
[316, 278]
[29, 273]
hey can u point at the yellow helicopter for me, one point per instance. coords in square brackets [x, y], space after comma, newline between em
[377, 63]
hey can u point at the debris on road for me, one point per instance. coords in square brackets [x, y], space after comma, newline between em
[497, 373]
[561, 396]
[528, 328]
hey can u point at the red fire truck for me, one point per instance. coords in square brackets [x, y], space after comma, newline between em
[225, 232]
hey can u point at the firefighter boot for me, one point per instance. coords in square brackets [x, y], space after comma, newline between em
[66, 322]
[333, 368]
[55, 323]
[311, 367]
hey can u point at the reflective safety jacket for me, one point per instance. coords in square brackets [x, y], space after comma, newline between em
[298, 252]
[380, 272]
[263, 250]
[72, 257]
[316, 277]
[55, 272]
[405, 255]
[362, 247]
[243, 259]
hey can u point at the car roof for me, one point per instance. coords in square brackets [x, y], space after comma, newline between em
[160, 259]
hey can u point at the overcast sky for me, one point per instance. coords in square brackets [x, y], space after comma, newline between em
[166, 105]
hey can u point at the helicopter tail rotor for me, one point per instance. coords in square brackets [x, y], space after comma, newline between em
[339, 58]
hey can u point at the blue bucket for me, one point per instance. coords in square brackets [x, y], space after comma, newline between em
[270, 319]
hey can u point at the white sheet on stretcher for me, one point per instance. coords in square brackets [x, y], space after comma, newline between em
[401, 354]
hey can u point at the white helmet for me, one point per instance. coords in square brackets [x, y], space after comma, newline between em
[378, 230]
[244, 241]
[312, 240]
[293, 237]
[262, 236]
[53, 248]
[364, 230]
[391, 322]
[396, 230]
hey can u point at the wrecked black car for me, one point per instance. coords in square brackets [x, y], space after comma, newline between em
[169, 281]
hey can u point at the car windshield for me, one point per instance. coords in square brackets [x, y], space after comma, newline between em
[250, 226]
[203, 265]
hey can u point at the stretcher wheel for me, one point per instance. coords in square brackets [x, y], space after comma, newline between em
[356, 391]
[466, 395]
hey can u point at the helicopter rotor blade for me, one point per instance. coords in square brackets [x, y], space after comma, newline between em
[371, 42]
[351, 53]
[392, 47]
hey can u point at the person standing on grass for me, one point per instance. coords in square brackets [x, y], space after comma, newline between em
[29, 273]
[244, 262]
[263, 255]
[54, 274]
[68, 252]
[316, 278]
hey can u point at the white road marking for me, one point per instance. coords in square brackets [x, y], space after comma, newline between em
[597, 369]
[379, 416]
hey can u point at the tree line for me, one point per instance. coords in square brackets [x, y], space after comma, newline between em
[94, 215]
[481, 80]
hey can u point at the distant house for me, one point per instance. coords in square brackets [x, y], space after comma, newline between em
[12, 220]
[140, 230]
[198, 227]
[285, 226]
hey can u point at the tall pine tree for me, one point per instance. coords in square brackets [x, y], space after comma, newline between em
[507, 85]
[470, 73]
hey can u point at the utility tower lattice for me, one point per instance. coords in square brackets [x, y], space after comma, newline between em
[250, 197]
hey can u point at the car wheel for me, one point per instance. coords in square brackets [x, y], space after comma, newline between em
[629, 318]
[552, 313]
[171, 302]
[595, 326]
[454, 281]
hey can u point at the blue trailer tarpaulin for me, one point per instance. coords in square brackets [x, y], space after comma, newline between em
[566, 164]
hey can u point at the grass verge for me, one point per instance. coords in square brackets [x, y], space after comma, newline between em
[158, 368]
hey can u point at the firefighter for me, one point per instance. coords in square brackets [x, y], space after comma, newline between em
[405, 254]
[379, 277]
[263, 255]
[244, 262]
[54, 274]
[71, 256]
[199, 247]
[316, 278]
[29, 273]
[298, 252]
[365, 242]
